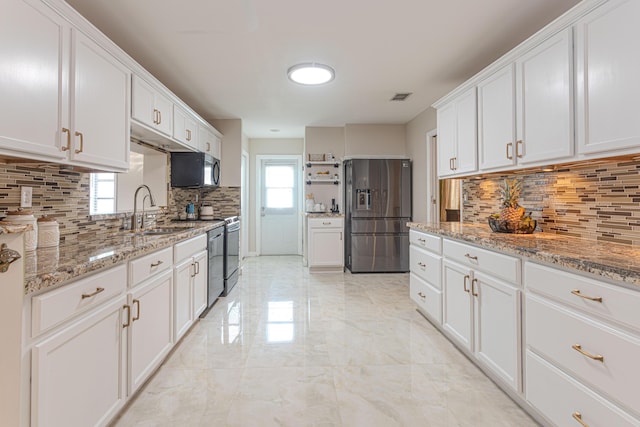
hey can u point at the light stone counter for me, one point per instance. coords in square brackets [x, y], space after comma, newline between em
[49, 267]
[610, 260]
[324, 215]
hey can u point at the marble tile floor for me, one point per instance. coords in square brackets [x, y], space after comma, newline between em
[288, 348]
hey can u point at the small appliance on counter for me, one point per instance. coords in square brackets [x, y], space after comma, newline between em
[206, 213]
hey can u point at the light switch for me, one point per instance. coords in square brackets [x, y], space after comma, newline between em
[26, 194]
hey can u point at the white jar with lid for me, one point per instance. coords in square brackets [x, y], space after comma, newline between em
[22, 217]
[48, 232]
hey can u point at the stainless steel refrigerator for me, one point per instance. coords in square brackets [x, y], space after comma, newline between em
[377, 208]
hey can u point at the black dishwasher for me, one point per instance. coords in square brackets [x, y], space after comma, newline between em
[215, 246]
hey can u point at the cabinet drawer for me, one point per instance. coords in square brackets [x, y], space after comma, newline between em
[325, 222]
[553, 332]
[189, 247]
[428, 298]
[558, 397]
[54, 307]
[426, 241]
[498, 265]
[426, 265]
[142, 268]
[617, 303]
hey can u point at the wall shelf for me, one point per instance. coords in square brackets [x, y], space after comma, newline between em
[322, 181]
[335, 164]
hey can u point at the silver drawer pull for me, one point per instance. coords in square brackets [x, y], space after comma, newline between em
[577, 293]
[98, 290]
[475, 258]
[578, 348]
[423, 266]
[326, 223]
[578, 417]
[422, 241]
[155, 264]
[421, 295]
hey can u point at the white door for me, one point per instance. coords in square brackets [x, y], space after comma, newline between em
[280, 206]
[456, 290]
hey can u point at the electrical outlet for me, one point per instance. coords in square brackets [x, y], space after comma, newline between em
[26, 194]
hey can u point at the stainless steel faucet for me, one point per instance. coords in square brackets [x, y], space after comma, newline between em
[134, 219]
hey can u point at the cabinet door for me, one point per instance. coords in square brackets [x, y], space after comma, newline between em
[326, 247]
[466, 159]
[607, 77]
[143, 107]
[78, 374]
[496, 119]
[164, 106]
[544, 89]
[100, 107]
[151, 332]
[33, 80]
[184, 127]
[183, 314]
[205, 140]
[446, 139]
[497, 320]
[456, 316]
[200, 281]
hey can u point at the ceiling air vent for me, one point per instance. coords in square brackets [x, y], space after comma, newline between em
[401, 96]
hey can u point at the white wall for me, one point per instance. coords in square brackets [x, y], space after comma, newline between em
[260, 147]
[374, 140]
[416, 131]
[231, 160]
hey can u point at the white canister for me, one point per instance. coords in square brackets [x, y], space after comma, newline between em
[25, 218]
[48, 232]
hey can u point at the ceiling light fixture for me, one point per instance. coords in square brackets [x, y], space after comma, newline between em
[311, 74]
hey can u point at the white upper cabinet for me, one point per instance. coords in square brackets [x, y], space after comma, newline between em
[185, 128]
[457, 144]
[100, 107]
[544, 108]
[497, 119]
[65, 98]
[150, 107]
[525, 110]
[210, 143]
[608, 89]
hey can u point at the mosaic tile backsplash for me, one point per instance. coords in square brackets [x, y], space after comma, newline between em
[597, 202]
[64, 194]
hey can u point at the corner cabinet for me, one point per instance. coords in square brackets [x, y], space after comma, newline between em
[457, 140]
[74, 107]
[326, 244]
[607, 79]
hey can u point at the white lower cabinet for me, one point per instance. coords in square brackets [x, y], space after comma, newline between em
[456, 316]
[190, 283]
[326, 243]
[150, 327]
[592, 352]
[78, 374]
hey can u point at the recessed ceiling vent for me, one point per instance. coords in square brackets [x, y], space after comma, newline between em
[401, 96]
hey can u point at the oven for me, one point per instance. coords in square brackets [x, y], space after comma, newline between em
[231, 253]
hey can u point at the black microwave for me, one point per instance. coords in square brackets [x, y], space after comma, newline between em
[195, 170]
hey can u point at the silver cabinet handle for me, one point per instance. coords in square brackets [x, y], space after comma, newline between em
[421, 295]
[475, 258]
[422, 265]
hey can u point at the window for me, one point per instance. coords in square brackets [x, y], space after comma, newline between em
[279, 187]
[102, 194]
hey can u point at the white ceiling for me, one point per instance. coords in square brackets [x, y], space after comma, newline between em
[229, 58]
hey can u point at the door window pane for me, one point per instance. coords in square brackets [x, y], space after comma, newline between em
[279, 186]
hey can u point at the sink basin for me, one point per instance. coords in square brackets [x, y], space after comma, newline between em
[161, 231]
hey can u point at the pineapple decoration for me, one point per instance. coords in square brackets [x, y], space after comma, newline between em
[511, 210]
[511, 218]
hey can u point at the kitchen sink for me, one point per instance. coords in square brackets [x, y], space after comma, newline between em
[161, 231]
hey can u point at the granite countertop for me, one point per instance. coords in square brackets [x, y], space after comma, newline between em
[610, 260]
[49, 267]
[324, 214]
